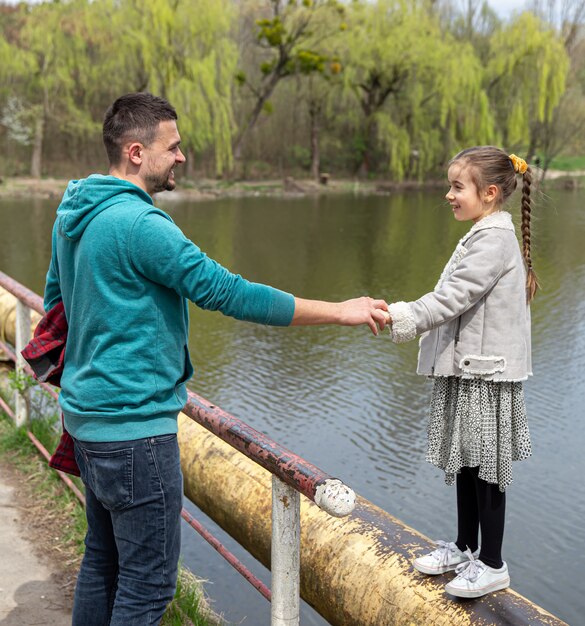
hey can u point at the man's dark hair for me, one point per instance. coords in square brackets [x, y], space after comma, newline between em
[134, 117]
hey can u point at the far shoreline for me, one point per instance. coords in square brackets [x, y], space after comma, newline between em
[213, 189]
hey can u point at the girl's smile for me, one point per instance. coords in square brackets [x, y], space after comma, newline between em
[464, 196]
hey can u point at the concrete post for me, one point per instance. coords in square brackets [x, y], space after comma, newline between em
[285, 554]
[23, 324]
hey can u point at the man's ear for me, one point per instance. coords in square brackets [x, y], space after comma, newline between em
[135, 153]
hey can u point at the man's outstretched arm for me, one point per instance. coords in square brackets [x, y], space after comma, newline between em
[353, 312]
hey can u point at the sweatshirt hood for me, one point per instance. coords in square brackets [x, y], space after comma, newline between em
[88, 197]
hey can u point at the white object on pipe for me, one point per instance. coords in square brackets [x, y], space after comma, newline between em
[335, 498]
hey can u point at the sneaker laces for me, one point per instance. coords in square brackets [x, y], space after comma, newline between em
[470, 570]
[441, 554]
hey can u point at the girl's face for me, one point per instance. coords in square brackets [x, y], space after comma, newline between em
[466, 201]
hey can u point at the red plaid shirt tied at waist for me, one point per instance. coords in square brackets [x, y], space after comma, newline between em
[45, 353]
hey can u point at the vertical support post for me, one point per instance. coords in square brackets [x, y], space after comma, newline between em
[22, 338]
[285, 557]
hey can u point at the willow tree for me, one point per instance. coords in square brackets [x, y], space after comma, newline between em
[290, 35]
[569, 15]
[418, 89]
[564, 132]
[471, 21]
[50, 41]
[182, 50]
[525, 78]
[14, 64]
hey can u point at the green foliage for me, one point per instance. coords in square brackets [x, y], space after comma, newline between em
[526, 76]
[291, 40]
[267, 67]
[47, 72]
[420, 96]
[300, 155]
[57, 40]
[19, 381]
[12, 438]
[272, 31]
[397, 85]
[308, 61]
[568, 163]
[69, 60]
[182, 51]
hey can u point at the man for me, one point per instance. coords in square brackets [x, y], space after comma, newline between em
[124, 273]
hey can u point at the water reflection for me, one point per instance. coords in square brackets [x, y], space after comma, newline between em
[350, 402]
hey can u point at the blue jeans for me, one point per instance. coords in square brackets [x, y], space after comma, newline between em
[134, 493]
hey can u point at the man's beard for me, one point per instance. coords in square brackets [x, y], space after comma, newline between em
[160, 182]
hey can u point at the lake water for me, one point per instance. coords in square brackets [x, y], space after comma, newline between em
[350, 402]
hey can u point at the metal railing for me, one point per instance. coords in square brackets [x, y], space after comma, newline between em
[291, 474]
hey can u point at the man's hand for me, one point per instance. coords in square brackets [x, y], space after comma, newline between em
[353, 312]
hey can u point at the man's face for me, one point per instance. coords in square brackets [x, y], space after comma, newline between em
[161, 157]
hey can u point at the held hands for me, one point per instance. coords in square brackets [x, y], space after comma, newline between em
[364, 310]
[352, 312]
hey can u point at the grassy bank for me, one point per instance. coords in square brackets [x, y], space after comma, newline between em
[568, 164]
[55, 521]
[199, 189]
[566, 174]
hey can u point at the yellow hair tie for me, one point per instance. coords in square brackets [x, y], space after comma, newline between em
[520, 165]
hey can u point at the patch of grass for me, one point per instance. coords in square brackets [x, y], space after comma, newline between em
[56, 521]
[260, 187]
[189, 606]
[51, 510]
[568, 163]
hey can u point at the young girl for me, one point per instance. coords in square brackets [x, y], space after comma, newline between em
[475, 344]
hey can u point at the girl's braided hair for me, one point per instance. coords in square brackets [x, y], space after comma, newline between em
[489, 165]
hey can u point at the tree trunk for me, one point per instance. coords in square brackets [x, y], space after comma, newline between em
[37, 151]
[190, 165]
[315, 131]
[250, 123]
[534, 141]
[369, 143]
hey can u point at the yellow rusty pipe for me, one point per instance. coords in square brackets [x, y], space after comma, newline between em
[356, 570]
[8, 317]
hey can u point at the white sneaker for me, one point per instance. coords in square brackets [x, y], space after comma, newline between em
[476, 579]
[445, 558]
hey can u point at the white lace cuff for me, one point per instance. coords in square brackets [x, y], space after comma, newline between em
[403, 325]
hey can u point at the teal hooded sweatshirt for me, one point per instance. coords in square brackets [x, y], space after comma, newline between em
[124, 272]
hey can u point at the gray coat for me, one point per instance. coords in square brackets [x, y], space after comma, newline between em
[476, 323]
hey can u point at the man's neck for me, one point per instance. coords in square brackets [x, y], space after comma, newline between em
[131, 177]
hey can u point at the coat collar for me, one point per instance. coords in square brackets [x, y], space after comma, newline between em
[499, 219]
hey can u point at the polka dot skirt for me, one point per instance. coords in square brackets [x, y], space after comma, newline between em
[478, 423]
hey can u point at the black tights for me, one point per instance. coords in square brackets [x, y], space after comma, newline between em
[480, 504]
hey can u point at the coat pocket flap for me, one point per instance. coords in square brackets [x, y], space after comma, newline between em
[482, 365]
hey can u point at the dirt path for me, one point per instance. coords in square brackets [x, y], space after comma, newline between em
[31, 592]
